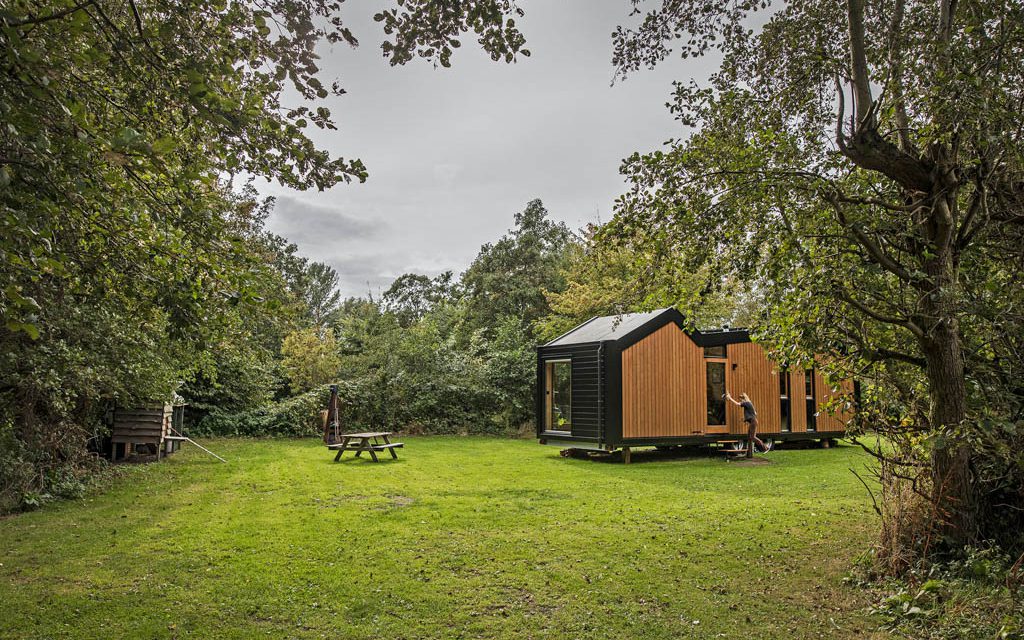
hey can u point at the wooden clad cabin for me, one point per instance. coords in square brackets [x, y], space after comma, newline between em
[641, 380]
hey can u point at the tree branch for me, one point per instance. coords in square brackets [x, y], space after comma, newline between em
[874, 250]
[881, 317]
[56, 15]
[862, 102]
[896, 79]
[866, 147]
[891, 354]
[876, 203]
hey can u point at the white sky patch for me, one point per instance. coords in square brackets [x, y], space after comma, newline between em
[454, 153]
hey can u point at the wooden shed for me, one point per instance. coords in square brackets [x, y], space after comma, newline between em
[150, 427]
[640, 379]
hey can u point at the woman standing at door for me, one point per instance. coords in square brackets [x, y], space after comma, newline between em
[750, 417]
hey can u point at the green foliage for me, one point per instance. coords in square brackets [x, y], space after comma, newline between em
[129, 261]
[869, 201]
[437, 356]
[411, 296]
[298, 416]
[432, 29]
[423, 378]
[310, 358]
[510, 277]
[970, 597]
[604, 278]
[319, 291]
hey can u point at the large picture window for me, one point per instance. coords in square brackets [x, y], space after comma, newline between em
[558, 395]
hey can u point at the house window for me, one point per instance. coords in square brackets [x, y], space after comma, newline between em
[716, 393]
[810, 400]
[558, 395]
[714, 352]
[784, 401]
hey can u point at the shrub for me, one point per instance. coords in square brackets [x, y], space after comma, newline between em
[298, 416]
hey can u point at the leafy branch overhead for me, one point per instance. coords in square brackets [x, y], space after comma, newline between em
[431, 29]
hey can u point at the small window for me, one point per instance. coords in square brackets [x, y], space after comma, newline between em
[784, 402]
[714, 352]
[811, 403]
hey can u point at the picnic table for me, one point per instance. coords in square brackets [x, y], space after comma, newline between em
[369, 442]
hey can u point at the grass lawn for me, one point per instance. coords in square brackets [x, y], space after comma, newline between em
[460, 537]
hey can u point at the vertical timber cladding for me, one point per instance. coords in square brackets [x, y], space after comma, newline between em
[834, 420]
[663, 387]
[750, 371]
[798, 401]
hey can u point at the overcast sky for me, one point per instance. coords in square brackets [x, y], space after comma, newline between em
[454, 153]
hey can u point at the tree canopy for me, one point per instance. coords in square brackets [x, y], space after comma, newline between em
[862, 164]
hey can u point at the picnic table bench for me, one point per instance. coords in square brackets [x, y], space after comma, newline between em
[369, 442]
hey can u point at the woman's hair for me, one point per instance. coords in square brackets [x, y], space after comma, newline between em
[744, 396]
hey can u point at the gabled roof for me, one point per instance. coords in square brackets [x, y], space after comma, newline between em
[602, 328]
[629, 328]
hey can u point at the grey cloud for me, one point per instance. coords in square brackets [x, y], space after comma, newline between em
[307, 223]
[374, 273]
[454, 153]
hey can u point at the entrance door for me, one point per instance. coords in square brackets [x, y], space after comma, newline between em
[558, 395]
[714, 372]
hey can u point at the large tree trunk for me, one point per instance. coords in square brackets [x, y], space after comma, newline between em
[953, 489]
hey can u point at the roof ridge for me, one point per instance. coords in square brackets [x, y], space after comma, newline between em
[611, 327]
[574, 329]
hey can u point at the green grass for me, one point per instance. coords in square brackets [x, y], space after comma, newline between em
[461, 537]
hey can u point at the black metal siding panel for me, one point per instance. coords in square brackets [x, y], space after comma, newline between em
[613, 394]
[587, 394]
[538, 394]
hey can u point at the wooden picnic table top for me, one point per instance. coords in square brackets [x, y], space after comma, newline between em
[368, 434]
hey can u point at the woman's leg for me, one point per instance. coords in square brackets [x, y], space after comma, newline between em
[752, 438]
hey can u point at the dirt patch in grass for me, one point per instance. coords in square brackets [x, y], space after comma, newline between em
[750, 462]
[401, 501]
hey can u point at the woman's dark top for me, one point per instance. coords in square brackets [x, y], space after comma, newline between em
[748, 411]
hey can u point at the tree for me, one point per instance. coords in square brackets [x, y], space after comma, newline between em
[610, 279]
[412, 296]
[320, 293]
[864, 163]
[511, 276]
[125, 253]
[310, 358]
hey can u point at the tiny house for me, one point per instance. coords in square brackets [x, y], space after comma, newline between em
[640, 379]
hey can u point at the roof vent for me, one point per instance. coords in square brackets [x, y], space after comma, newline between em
[725, 327]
